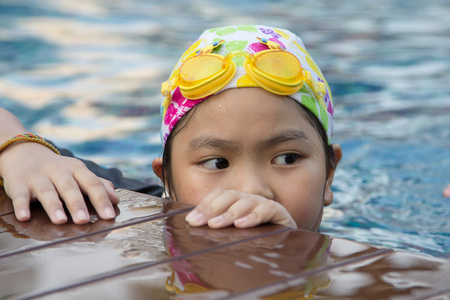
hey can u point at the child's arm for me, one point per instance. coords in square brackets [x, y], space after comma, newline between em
[32, 171]
[222, 208]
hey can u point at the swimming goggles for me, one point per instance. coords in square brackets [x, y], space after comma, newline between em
[275, 69]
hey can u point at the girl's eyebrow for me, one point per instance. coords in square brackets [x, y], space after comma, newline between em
[210, 142]
[216, 143]
[286, 136]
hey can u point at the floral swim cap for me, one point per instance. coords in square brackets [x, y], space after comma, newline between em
[239, 56]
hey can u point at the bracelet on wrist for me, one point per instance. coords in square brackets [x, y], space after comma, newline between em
[27, 137]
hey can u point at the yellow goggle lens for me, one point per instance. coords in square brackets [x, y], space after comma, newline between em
[279, 64]
[203, 75]
[199, 69]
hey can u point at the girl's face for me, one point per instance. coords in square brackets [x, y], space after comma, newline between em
[252, 141]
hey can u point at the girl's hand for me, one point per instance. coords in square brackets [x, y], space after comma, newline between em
[222, 208]
[33, 172]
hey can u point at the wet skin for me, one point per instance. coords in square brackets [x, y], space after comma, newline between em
[247, 157]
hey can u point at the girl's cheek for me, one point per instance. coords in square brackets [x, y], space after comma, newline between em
[191, 192]
[304, 205]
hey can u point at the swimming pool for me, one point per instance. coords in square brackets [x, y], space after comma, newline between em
[86, 74]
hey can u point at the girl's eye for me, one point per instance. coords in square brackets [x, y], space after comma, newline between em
[285, 159]
[216, 164]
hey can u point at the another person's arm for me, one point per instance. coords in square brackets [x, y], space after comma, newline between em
[446, 192]
[31, 171]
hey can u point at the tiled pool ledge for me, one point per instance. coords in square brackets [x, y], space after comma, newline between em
[149, 252]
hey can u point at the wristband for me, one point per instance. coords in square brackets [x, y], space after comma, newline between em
[27, 137]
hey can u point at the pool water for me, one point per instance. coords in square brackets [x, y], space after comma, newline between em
[86, 74]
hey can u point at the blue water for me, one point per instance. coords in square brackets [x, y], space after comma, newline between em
[86, 74]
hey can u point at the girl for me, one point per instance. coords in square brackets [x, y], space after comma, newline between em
[247, 123]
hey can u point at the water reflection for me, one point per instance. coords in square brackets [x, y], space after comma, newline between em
[245, 265]
[291, 265]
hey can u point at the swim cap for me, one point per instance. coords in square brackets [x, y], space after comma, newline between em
[244, 56]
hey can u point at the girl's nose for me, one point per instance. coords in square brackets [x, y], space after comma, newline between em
[253, 181]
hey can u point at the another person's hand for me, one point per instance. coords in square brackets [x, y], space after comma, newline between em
[446, 191]
[33, 172]
[222, 208]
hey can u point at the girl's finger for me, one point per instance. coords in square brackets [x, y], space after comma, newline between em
[269, 211]
[48, 196]
[96, 190]
[110, 190]
[212, 196]
[70, 193]
[214, 204]
[237, 210]
[21, 204]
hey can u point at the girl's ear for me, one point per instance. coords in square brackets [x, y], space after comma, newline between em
[157, 167]
[328, 195]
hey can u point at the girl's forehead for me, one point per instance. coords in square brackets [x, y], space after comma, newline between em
[250, 102]
[248, 114]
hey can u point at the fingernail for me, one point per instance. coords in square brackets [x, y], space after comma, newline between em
[22, 214]
[241, 221]
[217, 220]
[109, 213]
[82, 215]
[191, 215]
[198, 218]
[59, 215]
